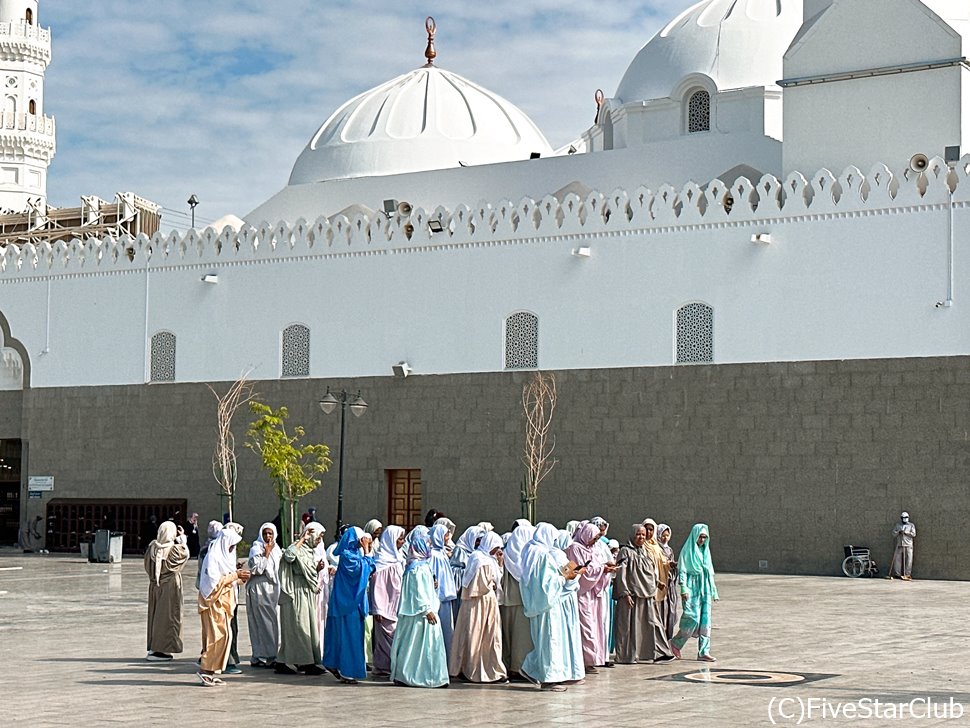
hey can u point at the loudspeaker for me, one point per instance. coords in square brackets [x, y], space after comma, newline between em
[919, 162]
[404, 208]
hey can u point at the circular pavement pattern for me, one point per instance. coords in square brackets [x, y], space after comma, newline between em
[747, 677]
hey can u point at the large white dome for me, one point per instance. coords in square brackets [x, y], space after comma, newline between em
[426, 119]
[737, 43]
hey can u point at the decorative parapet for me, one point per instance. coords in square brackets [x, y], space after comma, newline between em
[20, 40]
[639, 211]
[41, 125]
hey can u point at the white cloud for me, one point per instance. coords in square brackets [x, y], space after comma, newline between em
[219, 98]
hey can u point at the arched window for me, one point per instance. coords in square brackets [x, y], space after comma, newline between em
[522, 341]
[695, 333]
[29, 16]
[607, 131]
[163, 357]
[699, 112]
[296, 351]
[32, 107]
[10, 105]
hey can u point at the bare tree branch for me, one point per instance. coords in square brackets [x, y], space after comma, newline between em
[539, 404]
[224, 455]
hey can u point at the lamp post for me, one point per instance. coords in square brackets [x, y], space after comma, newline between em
[328, 403]
[193, 201]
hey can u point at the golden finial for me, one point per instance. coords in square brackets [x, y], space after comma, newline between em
[430, 53]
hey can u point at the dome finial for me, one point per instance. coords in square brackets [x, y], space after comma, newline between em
[430, 53]
[600, 97]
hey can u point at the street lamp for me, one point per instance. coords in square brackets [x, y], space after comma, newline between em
[193, 201]
[328, 403]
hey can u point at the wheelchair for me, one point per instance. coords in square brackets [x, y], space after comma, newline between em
[858, 562]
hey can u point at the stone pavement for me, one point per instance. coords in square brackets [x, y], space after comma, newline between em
[72, 645]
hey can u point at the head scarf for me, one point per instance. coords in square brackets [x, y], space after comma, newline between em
[571, 526]
[563, 539]
[600, 523]
[219, 560]
[482, 558]
[486, 526]
[466, 544]
[259, 545]
[613, 544]
[349, 587]
[389, 555]
[160, 548]
[371, 526]
[652, 545]
[541, 545]
[447, 523]
[696, 560]
[665, 547]
[213, 530]
[420, 549]
[437, 536]
[521, 535]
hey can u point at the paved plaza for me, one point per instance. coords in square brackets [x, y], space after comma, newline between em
[73, 645]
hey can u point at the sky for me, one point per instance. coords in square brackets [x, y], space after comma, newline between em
[218, 98]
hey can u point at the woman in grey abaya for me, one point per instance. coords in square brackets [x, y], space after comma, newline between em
[263, 596]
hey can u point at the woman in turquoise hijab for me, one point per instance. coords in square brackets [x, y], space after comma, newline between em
[418, 655]
[697, 592]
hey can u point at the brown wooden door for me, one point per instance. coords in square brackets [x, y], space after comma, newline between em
[404, 498]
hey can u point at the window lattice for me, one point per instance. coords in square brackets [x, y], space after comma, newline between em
[699, 112]
[296, 351]
[522, 341]
[163, 357]
[695, 333]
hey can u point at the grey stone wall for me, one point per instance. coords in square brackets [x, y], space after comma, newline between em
[786, 462]
[11, 410]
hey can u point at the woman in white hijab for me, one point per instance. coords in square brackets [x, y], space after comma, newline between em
[218, 578]
[164, 560]
[460, 554]
[263, 596]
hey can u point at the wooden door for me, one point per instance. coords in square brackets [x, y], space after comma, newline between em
[404, 498]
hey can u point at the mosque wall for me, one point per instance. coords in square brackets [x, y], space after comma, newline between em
[11, 409]
[854, 269]
[787, 462]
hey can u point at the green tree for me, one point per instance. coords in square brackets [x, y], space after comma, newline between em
[292, 466]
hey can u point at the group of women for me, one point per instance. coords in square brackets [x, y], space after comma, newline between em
[422, 608]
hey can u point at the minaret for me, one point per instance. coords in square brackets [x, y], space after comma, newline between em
[27, 141]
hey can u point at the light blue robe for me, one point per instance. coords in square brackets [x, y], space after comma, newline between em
[550, 603]
[418, 655]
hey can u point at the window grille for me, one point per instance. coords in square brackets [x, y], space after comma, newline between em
[296, 351]
[699, 112]
[695, 333]
[163, 357]
[522, 341]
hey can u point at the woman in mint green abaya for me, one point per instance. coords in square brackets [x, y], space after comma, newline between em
[418, 656]
[549, 598]
[697, 593]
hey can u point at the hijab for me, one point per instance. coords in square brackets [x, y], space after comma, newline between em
[540, 546]
[696, 560]
[447, 523]
[212, 530]
[437, 536]
[483, 558]
[219, 559]
[420, 550]
[571, 527]
[259, 545]
[665, 547]
[466, 545]
[159, 549]
[349, 587]
[520, 536]
[486, 526]
[389, 555]
[639, 568]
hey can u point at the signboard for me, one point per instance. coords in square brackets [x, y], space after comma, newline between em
[34, 494]
[40, 482]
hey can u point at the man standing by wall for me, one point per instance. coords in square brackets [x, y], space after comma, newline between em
[904, 533]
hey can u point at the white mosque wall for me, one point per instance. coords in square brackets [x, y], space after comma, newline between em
[889, 117]
[854, 269]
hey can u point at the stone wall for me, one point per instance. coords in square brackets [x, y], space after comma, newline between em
[786, 462]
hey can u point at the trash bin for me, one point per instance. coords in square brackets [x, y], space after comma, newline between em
[107, 546]
[87, 547]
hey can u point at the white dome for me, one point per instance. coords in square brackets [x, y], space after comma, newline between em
[425, 119]
[737, 43]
